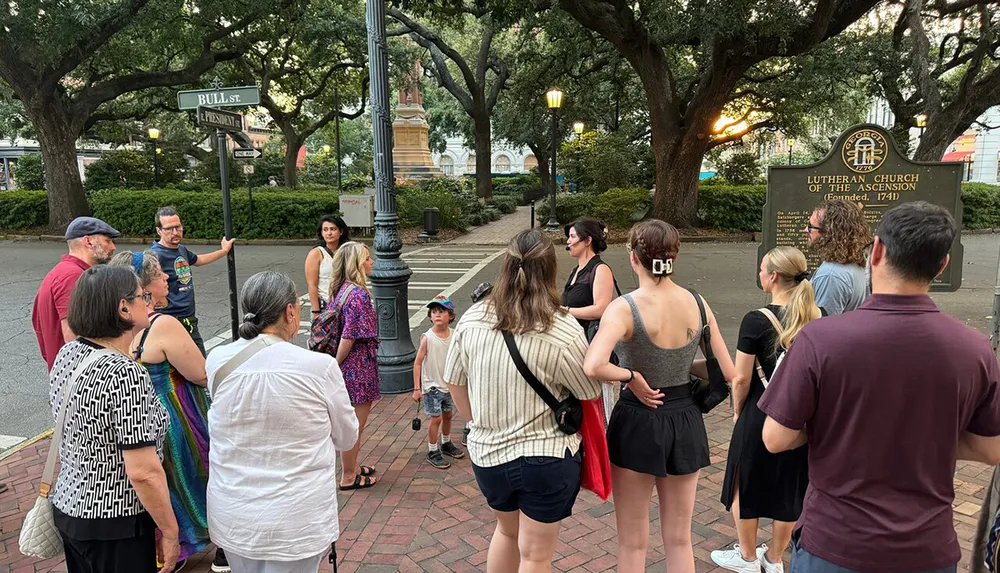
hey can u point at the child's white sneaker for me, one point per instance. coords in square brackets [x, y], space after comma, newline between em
[769, 567]
[733, 560]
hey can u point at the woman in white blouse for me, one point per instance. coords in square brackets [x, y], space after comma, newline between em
[527, 469]
[279, 415]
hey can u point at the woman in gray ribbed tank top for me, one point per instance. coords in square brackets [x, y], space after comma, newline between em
[656, 436]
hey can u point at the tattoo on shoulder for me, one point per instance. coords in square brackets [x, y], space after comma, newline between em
[692, 333]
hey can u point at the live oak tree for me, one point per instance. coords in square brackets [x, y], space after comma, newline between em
[480, 65]
[311, 66]
[938, 58]
[64, 61]
[691, 56]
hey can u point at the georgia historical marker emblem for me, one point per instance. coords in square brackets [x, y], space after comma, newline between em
[864, 150]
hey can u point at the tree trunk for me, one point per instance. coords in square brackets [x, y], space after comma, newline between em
[934, 142]
[484, 154]
[678, 166]
[543, 169]
[292, 146]
[66, 197]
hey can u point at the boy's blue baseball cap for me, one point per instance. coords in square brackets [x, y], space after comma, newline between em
[443, 302]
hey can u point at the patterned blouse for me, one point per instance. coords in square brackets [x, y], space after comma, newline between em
[359, 322]
[113, 408]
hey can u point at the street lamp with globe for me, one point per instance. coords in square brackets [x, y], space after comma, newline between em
[554, 99]
[154, 134]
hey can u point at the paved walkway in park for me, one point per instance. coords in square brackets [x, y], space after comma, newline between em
[498, 232]
[422, 519]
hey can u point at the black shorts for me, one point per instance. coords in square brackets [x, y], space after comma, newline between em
[543, 488]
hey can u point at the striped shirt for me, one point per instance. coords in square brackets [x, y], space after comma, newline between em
[509, 419]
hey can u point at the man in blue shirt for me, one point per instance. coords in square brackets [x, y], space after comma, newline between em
[176, 262]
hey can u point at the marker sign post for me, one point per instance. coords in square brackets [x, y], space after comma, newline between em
[225, 122]
[864, 167]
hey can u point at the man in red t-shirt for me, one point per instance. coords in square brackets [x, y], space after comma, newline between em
[90, 243]
[888, 397]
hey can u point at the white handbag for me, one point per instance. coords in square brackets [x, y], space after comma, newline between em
[39, 536]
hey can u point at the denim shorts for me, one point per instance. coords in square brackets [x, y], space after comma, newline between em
[542, 488]
[436, 401]
[805, 562]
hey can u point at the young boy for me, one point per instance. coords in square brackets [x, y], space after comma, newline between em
[429, 385]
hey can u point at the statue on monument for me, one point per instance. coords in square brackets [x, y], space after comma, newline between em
[410, 93]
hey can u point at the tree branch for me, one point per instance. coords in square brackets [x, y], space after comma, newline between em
[427, 38]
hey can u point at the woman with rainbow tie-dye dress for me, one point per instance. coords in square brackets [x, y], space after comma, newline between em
[177, 369]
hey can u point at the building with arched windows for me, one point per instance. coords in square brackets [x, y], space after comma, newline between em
[458, 160]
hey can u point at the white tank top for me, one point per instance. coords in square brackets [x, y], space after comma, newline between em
[432, 370]
[325, 273]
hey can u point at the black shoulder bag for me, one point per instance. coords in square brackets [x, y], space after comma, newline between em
[708, 394]
[569, 412]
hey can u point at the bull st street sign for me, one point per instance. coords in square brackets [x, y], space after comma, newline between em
[220, 97]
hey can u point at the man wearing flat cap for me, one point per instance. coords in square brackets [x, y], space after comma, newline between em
[90, 243]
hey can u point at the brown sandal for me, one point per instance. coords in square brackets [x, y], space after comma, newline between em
[360, 482]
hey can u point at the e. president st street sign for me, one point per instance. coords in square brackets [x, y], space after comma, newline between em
[221, 97]
[224, 120]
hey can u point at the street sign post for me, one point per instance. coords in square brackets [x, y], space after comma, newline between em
[247, 153]
[221, 97]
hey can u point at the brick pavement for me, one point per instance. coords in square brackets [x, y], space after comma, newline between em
[498, 232]
[422, 519]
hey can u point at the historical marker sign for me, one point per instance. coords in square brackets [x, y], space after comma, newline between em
[225, 120]
[247, 153]
[221, 97]
[864, 167]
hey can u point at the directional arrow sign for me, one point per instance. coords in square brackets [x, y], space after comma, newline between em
[247, 153]
[225, 120]
[222, 97]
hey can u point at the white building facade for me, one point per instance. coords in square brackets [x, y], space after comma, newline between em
[458, 160]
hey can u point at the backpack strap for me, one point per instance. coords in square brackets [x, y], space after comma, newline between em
[526, 373]
[236, 361]
[779, 329]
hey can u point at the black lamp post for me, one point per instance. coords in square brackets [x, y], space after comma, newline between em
[791, 142]
[922, 123]
[554, 99]
[336, 103]
[326, 159]
[154, 134]
[390, 275]
[969, 160]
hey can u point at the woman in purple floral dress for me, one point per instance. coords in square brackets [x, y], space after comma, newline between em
[357, 348]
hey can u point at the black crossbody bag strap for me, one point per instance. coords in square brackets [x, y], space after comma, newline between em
[706, 336]
[526, 373]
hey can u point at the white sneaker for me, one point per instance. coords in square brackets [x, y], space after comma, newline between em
[769, 567]
[733, 560]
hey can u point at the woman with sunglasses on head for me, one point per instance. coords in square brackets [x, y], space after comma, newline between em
[330, 234]
[656, 436]
[177, 369]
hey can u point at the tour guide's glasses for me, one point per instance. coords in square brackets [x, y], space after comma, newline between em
[811, 227]
[147, 297]
[174, 229]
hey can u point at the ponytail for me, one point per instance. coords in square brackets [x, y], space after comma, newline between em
[800, 310]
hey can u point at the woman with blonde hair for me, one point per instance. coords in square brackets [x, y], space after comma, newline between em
[758, 483]
[527, 468]
[354, 335]
[656, 436]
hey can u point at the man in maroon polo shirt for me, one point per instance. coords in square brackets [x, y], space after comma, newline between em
[90, 243]
[888, 397]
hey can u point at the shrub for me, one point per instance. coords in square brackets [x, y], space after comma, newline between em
[29, 172]
[731, 207]
[23, 209]
[621, 208]
[741, 168]
[506, 204]
[980, 206]
[120, 168]
[278, 215]
[568, 208]
[525, 187]
[411, 200]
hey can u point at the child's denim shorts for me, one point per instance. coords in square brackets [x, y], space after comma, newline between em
[436, 401]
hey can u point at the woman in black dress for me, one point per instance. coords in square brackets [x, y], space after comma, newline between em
[758, 483]
[590, 287]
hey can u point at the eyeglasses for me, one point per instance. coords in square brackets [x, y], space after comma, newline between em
[174, 229]
[811, 227]
[147, 297]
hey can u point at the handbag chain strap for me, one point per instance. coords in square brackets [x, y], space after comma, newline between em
[706, 331]
[71, 387]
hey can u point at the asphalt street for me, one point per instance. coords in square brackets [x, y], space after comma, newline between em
[724, 273]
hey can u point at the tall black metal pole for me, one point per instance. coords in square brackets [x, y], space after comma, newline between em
[553, 222]
[156, 163]
[227, 216]
[336, 102]
[390, 275]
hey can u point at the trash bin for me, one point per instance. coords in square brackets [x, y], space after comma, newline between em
[432, 224]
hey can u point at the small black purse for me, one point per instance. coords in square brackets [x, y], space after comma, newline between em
[569, 412]
[708, 394]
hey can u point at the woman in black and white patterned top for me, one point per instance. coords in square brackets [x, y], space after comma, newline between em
[111, 492]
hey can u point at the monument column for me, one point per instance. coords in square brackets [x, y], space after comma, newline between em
[390, 275]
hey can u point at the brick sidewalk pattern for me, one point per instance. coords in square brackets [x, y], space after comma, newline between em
[422, 519]
[499, 232]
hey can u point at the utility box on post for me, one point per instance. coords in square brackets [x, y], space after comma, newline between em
[358, 211]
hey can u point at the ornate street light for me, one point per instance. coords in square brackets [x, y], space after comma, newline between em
[554, 99]
[791, 143]
[390, 275]
[578, 128]
[326, 155]
[154, 134]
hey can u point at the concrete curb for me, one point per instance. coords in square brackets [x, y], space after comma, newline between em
[13, 450]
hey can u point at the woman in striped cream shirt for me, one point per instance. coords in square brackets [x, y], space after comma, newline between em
[526, 468]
